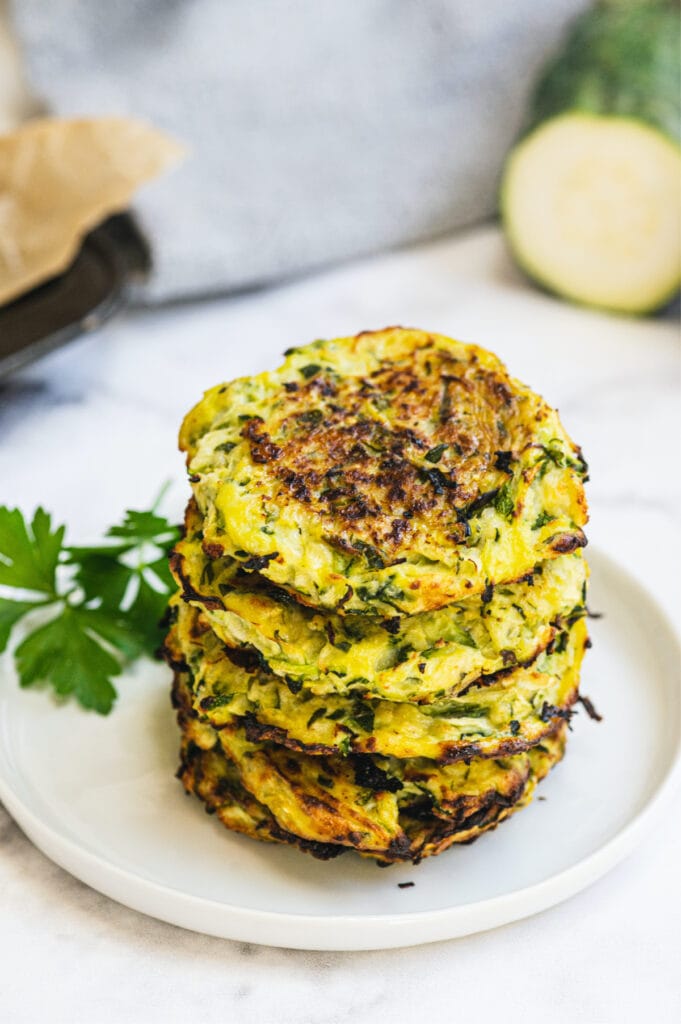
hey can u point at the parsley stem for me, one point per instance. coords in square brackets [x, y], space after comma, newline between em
[165, 487]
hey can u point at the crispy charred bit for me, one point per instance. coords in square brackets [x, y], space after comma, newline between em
[589, 708]
[314, 803]
[370, 776]
[564, 543]
[263, 449]
[481, 502]
[257, 732]
[503, 461]
[178, 666]
[440, 455]
[212, 550]
[257, 562]
[420, 809]
[247, 658]
[174, 661]
[466, 813]
[452, 753]
[188, 591]
[399, 528]
[399, 848]
[487, 678]
[550, 711]
[321, 851]
[297, 484]
[391, 625]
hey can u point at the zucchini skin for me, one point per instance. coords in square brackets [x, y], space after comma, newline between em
[620, 59]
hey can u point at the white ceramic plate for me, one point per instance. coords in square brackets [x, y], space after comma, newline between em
[99, 797]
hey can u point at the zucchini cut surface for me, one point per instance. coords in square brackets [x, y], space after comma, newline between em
[592, 210]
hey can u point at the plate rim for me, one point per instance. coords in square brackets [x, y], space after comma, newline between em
[354, 932]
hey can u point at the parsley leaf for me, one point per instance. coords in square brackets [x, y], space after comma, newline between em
[146, 613]
[106, 600]
[10, 613]
[29, 556]
[65, 653]
[139, 526]
[100, 575]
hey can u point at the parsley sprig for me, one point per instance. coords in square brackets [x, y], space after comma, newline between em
[102, 604]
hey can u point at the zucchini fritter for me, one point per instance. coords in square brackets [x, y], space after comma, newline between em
[206, 771]
[496, 718]
[392, 473]
[324, 805]
[422, 657]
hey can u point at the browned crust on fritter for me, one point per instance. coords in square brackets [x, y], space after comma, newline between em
[260, 733]
[188, 591]
[426, 835]
[437, 838]
[257, 731]
[191, 595]
[334, 454]
[326, 813]
[193, 777]
[465, 830]
[565, 543]
[191, 774]
[450, 753]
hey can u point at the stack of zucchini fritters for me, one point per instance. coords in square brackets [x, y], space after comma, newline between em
[381, 611]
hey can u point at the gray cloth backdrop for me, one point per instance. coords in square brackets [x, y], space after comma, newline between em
[318, 129]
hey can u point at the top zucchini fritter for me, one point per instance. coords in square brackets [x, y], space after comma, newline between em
[392, 472]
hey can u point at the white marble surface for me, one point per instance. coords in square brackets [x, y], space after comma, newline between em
[91, 430]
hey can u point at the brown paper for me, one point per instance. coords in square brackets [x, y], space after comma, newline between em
[58, 179]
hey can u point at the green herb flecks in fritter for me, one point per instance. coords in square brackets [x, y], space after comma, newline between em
[505, 716]
[421, 657]
[385, 809]
[392, 473]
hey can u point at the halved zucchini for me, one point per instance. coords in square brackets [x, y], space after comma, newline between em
[592, 210]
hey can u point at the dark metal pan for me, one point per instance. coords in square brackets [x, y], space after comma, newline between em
[94, 287]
